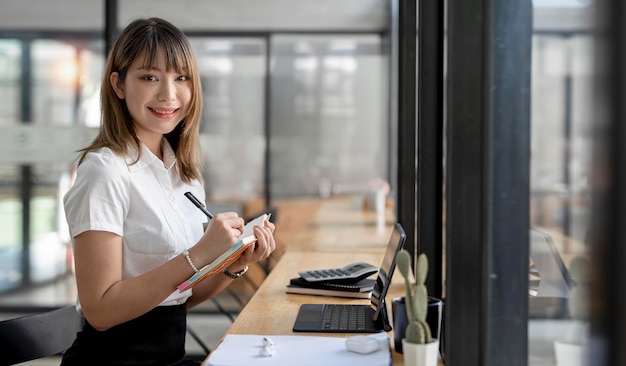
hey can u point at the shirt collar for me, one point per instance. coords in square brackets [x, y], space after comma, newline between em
[147, 157]
[169, 156]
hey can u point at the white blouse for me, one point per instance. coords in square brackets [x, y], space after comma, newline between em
[144, 203]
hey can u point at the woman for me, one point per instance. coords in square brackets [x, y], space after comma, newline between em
[135, 235]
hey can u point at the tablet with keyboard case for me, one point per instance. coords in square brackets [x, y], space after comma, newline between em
[356, 318]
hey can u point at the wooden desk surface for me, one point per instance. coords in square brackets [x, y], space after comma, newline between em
[271, 311]
[336, 223]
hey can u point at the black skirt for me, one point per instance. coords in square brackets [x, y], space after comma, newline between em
[156, 338]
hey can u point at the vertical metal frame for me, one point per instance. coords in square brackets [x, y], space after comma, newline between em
[430, 140]
[391, 44]
[487, 181]
[26, 171]
[608, 230]
[420, 130]
[110, 24]
[267, 118]
[407, 164]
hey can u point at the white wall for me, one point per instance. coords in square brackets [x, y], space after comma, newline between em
[370, 15]
[224, 15]
[85, 15]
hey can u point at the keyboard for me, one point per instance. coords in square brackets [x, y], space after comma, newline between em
[345, 317]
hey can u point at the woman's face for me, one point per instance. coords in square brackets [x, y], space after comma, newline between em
[156, 99]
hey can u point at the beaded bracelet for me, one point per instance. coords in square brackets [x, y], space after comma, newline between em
[193, 266]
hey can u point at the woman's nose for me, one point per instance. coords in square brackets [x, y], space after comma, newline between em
[167, 91]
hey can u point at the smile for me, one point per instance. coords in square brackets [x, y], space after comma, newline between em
[164, 112]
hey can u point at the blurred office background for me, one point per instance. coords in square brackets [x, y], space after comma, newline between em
[298, 102]
[309, 85]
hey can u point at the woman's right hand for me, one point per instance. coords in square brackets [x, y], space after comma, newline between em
[222, 232]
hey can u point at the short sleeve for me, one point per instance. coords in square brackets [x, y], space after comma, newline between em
[99, 198]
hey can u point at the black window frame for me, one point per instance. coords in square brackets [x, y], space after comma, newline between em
[487, 181]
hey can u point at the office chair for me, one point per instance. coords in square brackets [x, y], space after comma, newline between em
[38, 335]
[48, 334]
[200, 342]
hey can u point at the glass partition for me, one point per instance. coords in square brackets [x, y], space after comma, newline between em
[233, 126]
[329, 114]
[560, 188]
[66, 82]
[328, 126]
[43, 83]
[10, 72]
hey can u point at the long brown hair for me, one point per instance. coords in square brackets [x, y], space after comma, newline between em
[146, 38]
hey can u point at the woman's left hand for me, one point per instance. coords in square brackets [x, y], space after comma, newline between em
[262, 249]
[265, 245]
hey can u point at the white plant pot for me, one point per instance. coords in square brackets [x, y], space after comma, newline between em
[421, 354]
[573, 349]
[569, 354]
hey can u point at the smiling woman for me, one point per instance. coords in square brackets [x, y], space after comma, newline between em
[152, 58]
[157, 98]
[135, 235]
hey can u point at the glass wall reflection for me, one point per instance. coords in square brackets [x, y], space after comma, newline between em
[48, 108]
[233, 127]
[561, 152]
[328, 128]
[10, 74]
[329, 113]
[10, 209]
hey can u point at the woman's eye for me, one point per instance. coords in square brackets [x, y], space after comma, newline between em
[150, 78]
[183, 78]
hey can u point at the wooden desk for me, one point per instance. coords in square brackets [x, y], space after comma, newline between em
[336, 223]
[271, 311]
[317, 233]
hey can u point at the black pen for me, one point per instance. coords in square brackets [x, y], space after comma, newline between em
[198, 204]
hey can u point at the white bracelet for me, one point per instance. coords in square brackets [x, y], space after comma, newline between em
[186, 254]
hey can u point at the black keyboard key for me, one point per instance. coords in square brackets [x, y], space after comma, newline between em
[344, 317]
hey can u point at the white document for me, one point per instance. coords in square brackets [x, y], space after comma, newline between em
[243, 350]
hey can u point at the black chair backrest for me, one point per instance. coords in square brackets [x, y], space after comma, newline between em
[38, 335]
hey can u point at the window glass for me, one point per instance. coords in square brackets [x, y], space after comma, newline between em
[329, 114]
[36, 157]
[10, 243]
[561, 151]
[10, 207]
[232, 131]
[66, 82]
[10, 72]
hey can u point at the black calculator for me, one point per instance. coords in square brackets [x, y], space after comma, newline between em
[353, 272]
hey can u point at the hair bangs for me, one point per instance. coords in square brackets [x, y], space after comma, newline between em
[175, 53]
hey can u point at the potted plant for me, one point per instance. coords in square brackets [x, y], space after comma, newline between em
[570, 351]
[419, 348]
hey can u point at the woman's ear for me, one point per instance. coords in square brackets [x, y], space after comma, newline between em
[117, 84]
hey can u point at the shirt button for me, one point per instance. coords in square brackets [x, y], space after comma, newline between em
[171, 197]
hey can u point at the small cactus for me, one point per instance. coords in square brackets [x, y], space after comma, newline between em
[416, 299]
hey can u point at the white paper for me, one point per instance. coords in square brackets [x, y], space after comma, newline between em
[243, 350]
